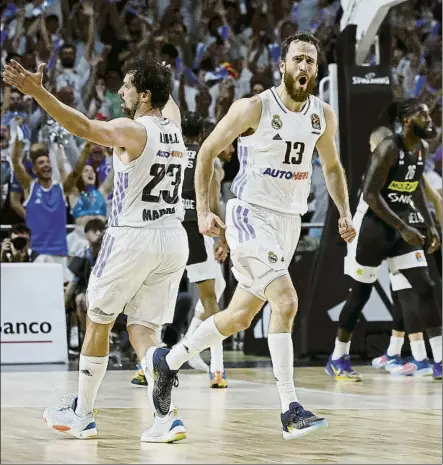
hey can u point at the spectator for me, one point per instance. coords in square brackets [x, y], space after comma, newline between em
[6, 169]
[45, 205]
[87, 201]
[81, 268]
[16, 247]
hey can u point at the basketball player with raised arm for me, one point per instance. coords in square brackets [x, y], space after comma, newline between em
[145, 248]
[278, 131]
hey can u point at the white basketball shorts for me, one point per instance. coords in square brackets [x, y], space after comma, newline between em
[138, 272]
[262, 244]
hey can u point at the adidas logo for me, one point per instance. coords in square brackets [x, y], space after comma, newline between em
[277, 137]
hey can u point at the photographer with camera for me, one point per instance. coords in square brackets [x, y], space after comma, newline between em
[16, 247]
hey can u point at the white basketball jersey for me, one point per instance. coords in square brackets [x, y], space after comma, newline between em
[276, 161]
[147, 191]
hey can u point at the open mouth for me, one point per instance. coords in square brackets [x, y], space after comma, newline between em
[303, 81]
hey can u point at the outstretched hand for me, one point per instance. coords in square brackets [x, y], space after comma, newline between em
[25, 81]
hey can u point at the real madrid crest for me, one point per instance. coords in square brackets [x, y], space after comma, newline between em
[272, 257]
[315, 121]
[276, 122]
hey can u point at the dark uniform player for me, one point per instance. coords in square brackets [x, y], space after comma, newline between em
[202, 267]
[394, 223]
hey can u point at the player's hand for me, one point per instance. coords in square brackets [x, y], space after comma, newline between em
[25, 81]
[346, 229]
[434, 240]
[210, 224]
[412, 236]
[221, 250]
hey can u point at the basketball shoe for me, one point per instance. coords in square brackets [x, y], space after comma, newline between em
[341, 369]
[165, 429]
[64, 419]
[163, 379]
[413, 368]
[139, 378]
[217, 380]
[436, 372]
[387, 362]
[298, 422]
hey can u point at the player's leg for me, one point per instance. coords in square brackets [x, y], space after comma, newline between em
[203, 269]
[391, 359]
[284, 304]
[114, 280]
[244, 243]
[430, 313]
[362, 262]
[152, 307]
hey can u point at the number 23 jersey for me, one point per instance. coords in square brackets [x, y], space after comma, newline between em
[148, 190]
[276, 161]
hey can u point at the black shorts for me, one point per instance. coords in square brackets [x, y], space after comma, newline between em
[196, 241]
[376, 242]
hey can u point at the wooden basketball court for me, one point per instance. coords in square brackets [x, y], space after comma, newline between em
[381, 420]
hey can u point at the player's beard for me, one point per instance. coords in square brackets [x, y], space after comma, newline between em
[424, 133]
[299, 95]
[130, 112]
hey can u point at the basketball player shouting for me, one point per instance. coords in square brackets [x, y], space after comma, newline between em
[394, 223]
[145, 248]
[279, 130]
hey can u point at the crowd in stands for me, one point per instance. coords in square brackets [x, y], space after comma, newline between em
[218, 50]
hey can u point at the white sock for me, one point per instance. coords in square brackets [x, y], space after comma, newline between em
[195, 323]
[418, 350]
[282, 356]
[90, 376]
[436, 346]
[206, 335]
[395, 346]
[340, 349]
[217, 357]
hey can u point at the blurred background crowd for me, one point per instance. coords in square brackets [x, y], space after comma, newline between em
[219, 51]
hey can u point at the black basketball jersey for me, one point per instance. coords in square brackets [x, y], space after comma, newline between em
[188, 193]
[403, 180]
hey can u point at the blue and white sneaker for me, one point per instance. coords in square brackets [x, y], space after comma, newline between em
[388, 362]
[65, 420]
[165, 429]
[298, 422]
[341, 369]
[413, 368]
[163, 379]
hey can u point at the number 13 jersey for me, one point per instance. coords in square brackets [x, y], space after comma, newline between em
[276, 161]
[148, 190]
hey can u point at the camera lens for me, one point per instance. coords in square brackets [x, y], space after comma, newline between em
[19, 243]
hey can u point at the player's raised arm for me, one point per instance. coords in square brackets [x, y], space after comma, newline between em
[243, 115]
[172, 111]
[335, 175]
[120, 132]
